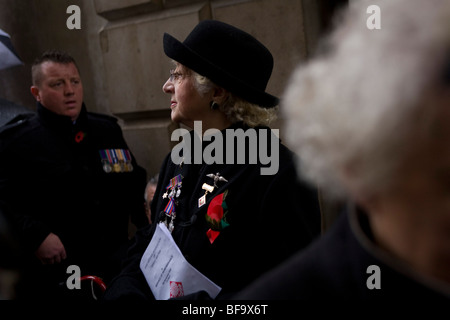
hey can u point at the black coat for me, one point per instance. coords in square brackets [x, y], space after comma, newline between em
[52, 177]
[336, 267]
[269, 218]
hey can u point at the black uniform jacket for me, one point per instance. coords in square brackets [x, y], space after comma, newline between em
[53, 178]
[346, 264]
[268, 218]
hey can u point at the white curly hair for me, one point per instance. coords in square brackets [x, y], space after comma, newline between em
[351, 111]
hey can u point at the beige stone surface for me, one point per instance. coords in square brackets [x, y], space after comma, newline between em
[118, 9]
[136, 64]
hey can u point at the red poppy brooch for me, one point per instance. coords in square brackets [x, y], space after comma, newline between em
[216, 216]
[80, 136]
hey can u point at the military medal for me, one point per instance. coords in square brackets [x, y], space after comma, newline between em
[127, 157]
[116, 160]
[202, 200]
[216, 178]
[115, 164]
[107, 167]
[169, 210]
[106, 161]
[120, 156]
[173, 191]
[208, 188]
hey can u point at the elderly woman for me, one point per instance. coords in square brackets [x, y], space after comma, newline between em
[231, 220]
[371, 123]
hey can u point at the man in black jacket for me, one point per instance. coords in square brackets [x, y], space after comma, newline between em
[71, 182]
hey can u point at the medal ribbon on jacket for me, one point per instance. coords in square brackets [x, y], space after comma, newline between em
[173, 191]
[116, 160]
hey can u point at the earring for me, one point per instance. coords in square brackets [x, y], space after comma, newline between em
[214, 105]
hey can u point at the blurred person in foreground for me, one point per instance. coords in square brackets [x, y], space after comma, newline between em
[370, 121]
[231, 222]
[70, 182]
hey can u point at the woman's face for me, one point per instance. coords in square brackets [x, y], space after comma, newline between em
[186, 103]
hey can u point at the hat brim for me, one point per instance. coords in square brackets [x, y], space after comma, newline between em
[179, 52]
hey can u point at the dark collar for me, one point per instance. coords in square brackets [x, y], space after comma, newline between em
[59, 122]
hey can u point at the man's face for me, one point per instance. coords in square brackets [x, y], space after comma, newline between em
[60, 89]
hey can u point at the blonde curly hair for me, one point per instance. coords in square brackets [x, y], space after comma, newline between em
[235, 108]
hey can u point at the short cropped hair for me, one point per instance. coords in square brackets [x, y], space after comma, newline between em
[352, 111]
[56, 56]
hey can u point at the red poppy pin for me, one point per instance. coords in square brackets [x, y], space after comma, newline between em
[216, 216]
[79, 136]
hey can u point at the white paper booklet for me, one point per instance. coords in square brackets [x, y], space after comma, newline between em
[168, 273]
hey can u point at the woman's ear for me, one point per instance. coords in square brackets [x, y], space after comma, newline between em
[220, 94]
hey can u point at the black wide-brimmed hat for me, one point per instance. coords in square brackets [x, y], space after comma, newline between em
[228, 56]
